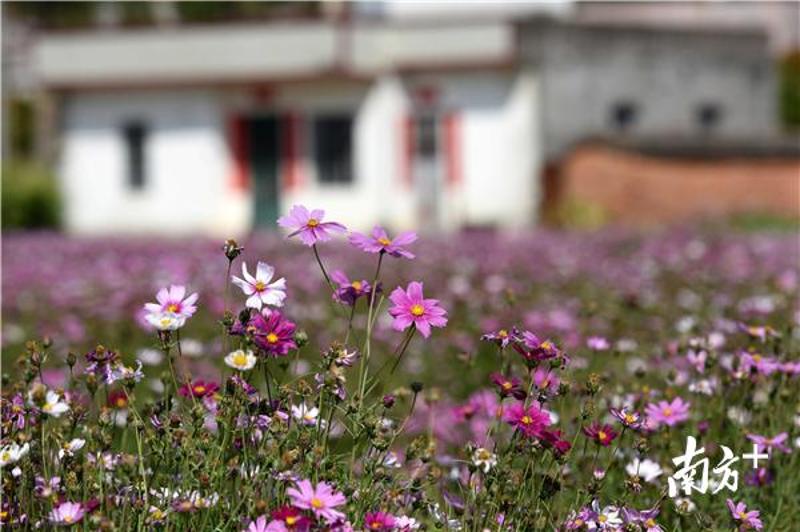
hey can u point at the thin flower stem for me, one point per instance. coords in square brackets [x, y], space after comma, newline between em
[364, 369]
[322, 267]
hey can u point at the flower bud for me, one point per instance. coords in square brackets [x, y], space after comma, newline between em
[232, 249]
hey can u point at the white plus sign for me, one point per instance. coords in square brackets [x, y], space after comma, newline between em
[755, 456]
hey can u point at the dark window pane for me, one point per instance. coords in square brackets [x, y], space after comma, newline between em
[333, 148]
[623, 115]
[135, 134]
[426, 137]
[708, 116]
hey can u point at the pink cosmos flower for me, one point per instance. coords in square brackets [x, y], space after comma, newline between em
[776, 442]
[199, 389]
[379, 242]
[531, 421]
[602, 434]
[508, 386]
[533, 350]
[320, 499]
[67, 513]
[597, 343]
[757, 363]
[667, 413]
[274, 334]
[309, 225]
[350, 291]
[171, 300]
[546, 379]
[379, 521]
[288, 518]
[746, 520]
[410, 308]
[259, 289]
[630, 419]
[501, 337]
[260, 525]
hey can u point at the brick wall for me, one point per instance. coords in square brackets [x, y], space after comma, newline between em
[643, 189]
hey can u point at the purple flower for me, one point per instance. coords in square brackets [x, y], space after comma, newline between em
[410, 308]
[320, 499]
[667, 413]
[379, 521]
[273, 334]
[508, 386]
[760, 477]
[534, 350]
[628, 418]
[172, 301]
[349, 291]
[379, 242]
[757, 363]
[746, 520]
[546, 380]
[501, 337]
[602, 434]
[776, 442]
[67, 513]
[597, 343]
[309, 225]
[531, 420]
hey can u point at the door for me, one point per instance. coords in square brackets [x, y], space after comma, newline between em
[264, 165]
[426, 168]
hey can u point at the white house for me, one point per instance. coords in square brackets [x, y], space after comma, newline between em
[220, 129]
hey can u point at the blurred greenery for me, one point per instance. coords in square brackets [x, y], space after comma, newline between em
[790, 89]
[30, 196]
[577, 214]
[763, 221]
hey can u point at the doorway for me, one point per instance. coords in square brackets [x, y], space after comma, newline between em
[264, 168]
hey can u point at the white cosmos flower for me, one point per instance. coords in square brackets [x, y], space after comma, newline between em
[53, 405]
[165, 321]
[259, 290]
[241, 360]
[69, 449]
[11, 453]
[484, 459]
[306, 415]
[646, 469]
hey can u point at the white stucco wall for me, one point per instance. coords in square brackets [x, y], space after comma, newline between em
[187, 164]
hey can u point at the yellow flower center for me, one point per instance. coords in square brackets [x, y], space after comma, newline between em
[629, 418]
[502, 333]
[6, 456]
[546, 344]
[384, 241]
[199, 389]
[67, 518]
[312, 222]
[650, 523]
[757, 358]
[602, 436]
[356, 285]
[376, 525]
[316, 503]
[417, 310]
[165, 321]
[291, 520]
[172, 307]
[484, 454]
[667, 411]
[507, 385]
[602, 518]
[239, 359]
[742, 515]
[48, 407]
[121, 402]
[526, 420]
[272, 338]
[260, 286]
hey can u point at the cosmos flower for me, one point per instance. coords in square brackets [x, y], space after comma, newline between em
[259, 290]
[410, 308]
[501, 337]
[597, 343]
[306, 415]
[533, 350]
[546, 380]
[744, 519]
[165, 321]
[273, 334]
[750, 362]
[53, 405]
[406, 524]
[667, 413]
[70, 448]
[602, 434]
[646, 469]
[628, 418]
[290, 518]
[379, 242]
[776, 442]
[12, 453]
[349, 291]
[484, 459]
[241, 360]
[309, 225]
[199, 389]
[644, 519]
[67, 513]
[508, 386]
[171, 301]
[320, 499]
[381, 521]
[530, 420]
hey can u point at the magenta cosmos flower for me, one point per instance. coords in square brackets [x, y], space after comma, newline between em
[67, 513]
[199, 389]
[667, 413]
[309, 225]
[274, 334]
[602, 434]
[531, 420]
[379, 521]
[320, 499]
[628, 418]
[508, 386]
[746, 520]
[379, 242]
[259, 289]
[411, 308]
[349, 291]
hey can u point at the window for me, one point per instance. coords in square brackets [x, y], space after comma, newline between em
[708, 116]
[623, 115]
[333, 148]
[426, 147]
[135, 136]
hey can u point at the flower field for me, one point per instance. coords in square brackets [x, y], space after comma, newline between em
[323, 379]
